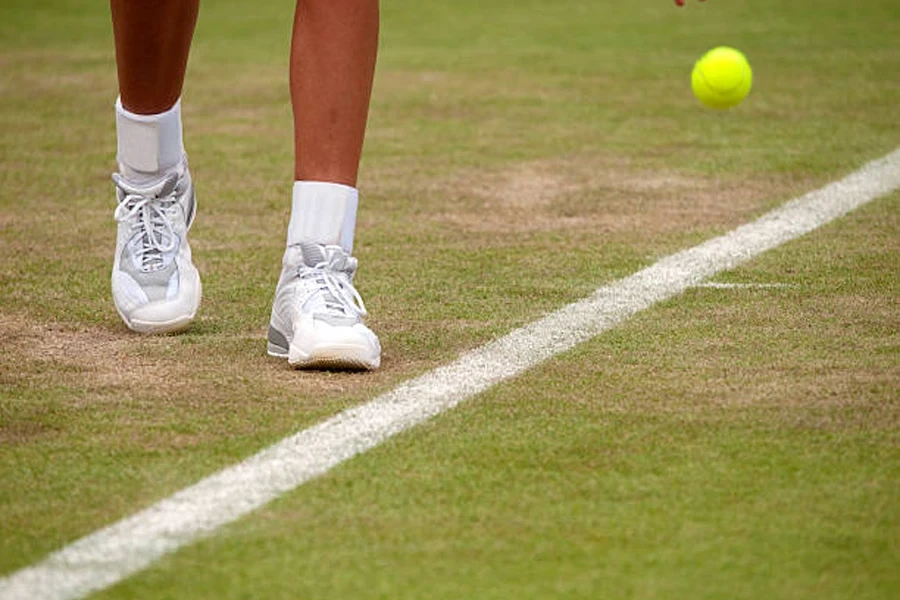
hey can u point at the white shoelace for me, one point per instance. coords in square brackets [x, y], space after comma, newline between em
[331, 276]
[149, 205]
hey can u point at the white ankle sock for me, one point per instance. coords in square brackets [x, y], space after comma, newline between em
[323, 213]
[149, 145]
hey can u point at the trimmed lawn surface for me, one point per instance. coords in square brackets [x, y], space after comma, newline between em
[729, 443]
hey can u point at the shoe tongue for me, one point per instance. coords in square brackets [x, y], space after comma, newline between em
[156, 187]
[313, 254]
[168, 186]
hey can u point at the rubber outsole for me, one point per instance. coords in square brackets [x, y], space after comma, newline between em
[159, 328]
[332, 359]
[326, 363]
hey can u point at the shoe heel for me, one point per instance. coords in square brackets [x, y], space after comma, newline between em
[277, 343]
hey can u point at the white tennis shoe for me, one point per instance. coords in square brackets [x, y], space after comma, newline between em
[155, 286]
[317, 313]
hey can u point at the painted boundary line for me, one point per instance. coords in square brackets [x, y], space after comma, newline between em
[109, 555]
[714, 285]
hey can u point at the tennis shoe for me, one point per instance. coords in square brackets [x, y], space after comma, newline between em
[155, 286]
[317, 313]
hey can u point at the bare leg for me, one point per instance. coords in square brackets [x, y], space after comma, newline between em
[155, 285]
[153, 38]
[317, 313]
[332, 65]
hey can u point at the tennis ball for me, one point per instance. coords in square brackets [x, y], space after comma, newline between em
[722, 78]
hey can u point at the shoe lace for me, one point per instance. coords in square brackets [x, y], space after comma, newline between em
[333, 276]
[145, 208]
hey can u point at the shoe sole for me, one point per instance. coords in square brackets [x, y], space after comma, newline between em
[179, 323]
[332, 358]
[159, 327]
[334, 363]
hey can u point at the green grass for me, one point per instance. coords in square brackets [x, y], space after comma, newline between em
[728, 443]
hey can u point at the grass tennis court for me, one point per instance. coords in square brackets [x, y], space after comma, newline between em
[729, 443]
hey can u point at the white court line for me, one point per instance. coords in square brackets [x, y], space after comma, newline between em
[111, 554]
[716, 285]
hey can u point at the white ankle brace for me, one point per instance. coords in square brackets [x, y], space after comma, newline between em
[148, 145]
[323, 213]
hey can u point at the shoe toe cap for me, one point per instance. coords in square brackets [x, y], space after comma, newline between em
[173, 312]
[319, 344]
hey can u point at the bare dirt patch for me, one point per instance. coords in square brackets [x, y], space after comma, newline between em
[584, 193]
[599, 194]
[158, 393]
[94, 355]
[225, 370]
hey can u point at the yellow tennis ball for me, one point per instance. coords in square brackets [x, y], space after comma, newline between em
[722, 78]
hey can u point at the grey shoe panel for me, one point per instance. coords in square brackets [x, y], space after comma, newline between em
[278, 343]
[187, 198]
